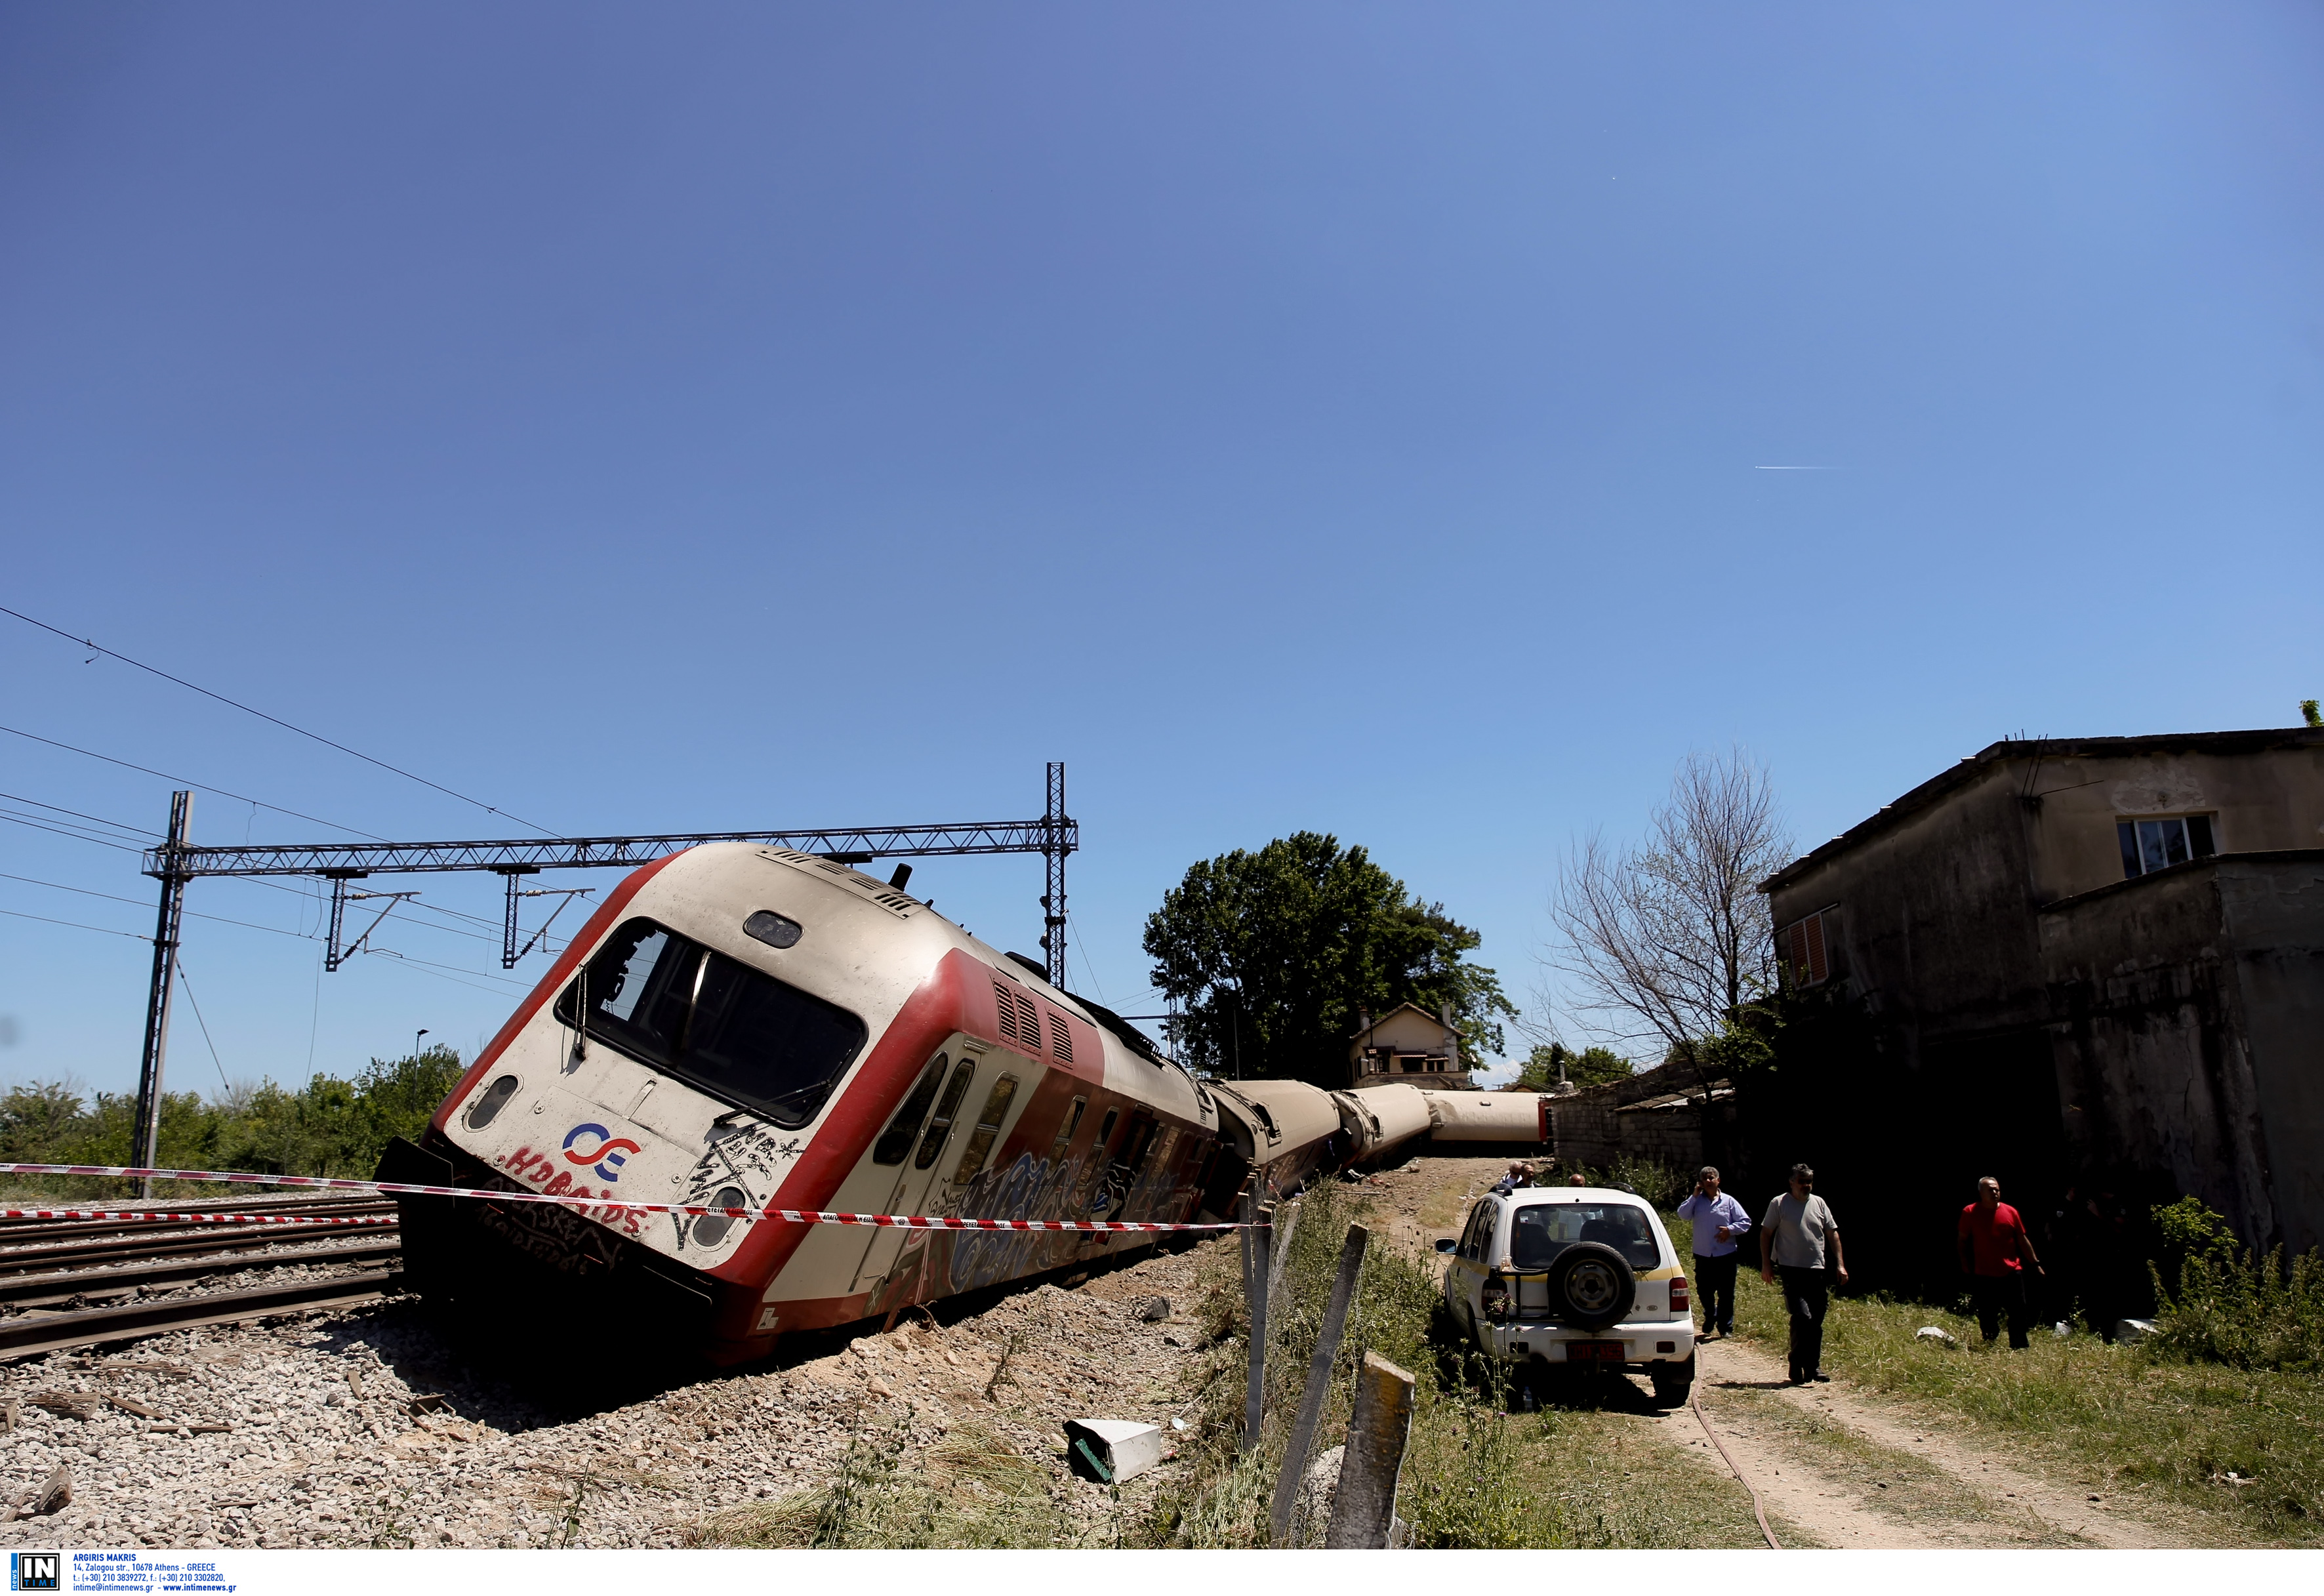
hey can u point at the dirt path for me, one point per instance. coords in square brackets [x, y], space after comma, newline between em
[1838, 1467]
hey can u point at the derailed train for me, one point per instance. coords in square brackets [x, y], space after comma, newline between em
[747, 1027]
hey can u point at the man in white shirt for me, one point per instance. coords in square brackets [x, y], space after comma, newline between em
[1795, 1239]
[1719, 1222]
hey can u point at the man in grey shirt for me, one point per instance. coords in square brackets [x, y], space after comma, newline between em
[1795, 1239]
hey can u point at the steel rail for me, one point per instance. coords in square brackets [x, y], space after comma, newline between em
[36, 1334]
[33, 1291]
[204, 1243]
[286, 1201]
[15, 1233]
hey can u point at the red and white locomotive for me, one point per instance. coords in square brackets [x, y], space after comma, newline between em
[748, 1027]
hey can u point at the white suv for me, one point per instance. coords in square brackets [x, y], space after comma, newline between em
[1574, 1275]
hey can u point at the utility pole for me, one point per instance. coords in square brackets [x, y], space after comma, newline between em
[145, 1148]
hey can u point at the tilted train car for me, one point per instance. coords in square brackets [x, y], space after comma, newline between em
[746, 1027]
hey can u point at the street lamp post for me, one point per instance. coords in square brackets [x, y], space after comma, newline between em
[415, 1043]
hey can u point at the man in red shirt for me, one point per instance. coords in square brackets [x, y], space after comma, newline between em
[1994, 1254]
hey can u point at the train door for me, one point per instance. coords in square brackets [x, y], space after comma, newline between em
[914, 1145]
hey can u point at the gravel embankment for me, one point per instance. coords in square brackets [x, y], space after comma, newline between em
[363, 1428]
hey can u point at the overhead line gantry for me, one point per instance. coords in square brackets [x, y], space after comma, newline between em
[176, 861]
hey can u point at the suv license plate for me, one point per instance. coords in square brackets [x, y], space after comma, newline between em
[1594, 1351]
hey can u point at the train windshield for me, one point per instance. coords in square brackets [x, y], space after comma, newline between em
[705, 1019]
[1544, 1229]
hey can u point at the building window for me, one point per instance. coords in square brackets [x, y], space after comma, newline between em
[2149, 845]
[1803, 946]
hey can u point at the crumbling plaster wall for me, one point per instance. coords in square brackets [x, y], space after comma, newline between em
[2191, 1035]
[1933, 920]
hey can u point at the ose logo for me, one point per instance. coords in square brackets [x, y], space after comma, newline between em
[605, 1151]
[36, 1571]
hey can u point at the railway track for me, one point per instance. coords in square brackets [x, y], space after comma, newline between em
[66, 1284]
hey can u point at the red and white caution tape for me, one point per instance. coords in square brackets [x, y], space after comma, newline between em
[306, 1219]
[596, 1205]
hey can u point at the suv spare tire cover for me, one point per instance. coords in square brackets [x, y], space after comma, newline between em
[1591, 1285]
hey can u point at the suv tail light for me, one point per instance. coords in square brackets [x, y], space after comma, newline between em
[1495, 1297]
[1681, 1303]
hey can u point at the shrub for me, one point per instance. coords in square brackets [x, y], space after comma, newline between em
[2234, 1307]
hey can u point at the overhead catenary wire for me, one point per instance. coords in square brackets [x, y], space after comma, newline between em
[439, 972]
[197, 915]
[76, 925]
[188, 781]
[273, 720]
[136, 831]
[79, 836]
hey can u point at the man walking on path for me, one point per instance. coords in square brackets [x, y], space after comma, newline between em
[1994, 1254]
[1719, 1220]
[1795, 1238]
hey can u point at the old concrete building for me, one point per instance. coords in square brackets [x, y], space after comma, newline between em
[2095, 958]
[1408, 1041]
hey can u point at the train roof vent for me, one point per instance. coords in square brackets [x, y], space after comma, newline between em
[1007, 1012]
[1028, 1023]
[901, 905]
[1061, 1038]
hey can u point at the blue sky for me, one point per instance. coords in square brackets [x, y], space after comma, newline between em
[1345, 417]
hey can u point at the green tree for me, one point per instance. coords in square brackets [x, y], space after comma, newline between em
[1274, 954]
[328, 1127]
[1592, 1066]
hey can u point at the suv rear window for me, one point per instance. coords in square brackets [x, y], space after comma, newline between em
[714, 1022]
[1544, 1229]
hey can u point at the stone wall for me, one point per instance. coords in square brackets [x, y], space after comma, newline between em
[1597, 1125]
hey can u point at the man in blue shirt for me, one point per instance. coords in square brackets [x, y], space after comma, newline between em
[1720, 1221]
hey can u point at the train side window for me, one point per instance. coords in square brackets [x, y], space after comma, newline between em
[1135, 1145]
[896, 1140]
[988, 1126]
[1105, 1130]
[932, 1143]
[1065, 1135]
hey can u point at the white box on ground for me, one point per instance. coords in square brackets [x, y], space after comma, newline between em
[1123, 1450]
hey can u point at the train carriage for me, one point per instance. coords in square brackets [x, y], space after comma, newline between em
[748, 1027]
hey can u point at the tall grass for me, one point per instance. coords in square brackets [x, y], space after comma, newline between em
[1475, 1474]
[969, 1490]
[326, 1127]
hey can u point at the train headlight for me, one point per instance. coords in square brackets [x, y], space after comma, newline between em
[711, 1228]
[487, 1106]
[773, 930]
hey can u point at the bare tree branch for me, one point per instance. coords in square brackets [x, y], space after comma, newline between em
[1668, 941]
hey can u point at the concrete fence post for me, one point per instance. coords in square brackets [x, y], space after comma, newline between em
[1254, 1282]
[1319, 1385]
[1363, 1508]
